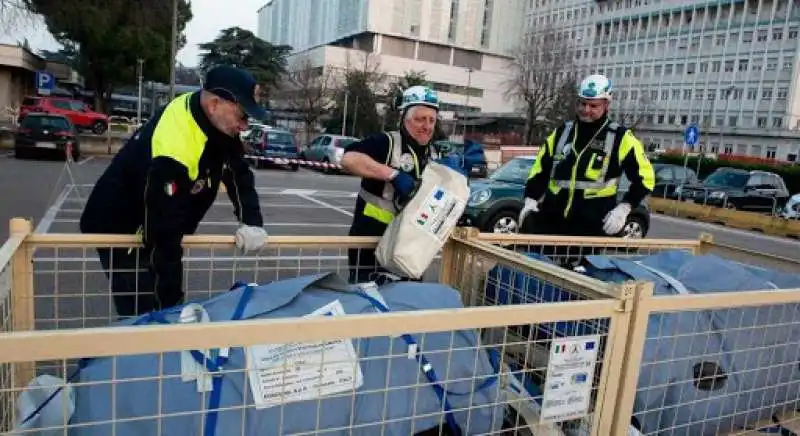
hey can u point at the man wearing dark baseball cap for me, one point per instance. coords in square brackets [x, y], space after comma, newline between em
[163, 181]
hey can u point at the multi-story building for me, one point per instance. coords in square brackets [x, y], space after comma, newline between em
[728, 66]
[463, 46]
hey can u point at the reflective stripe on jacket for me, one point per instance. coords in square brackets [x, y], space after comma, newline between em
[594, 171]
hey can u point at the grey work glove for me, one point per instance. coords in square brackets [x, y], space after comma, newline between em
[531, 205]
[615, 220]
[250, 238]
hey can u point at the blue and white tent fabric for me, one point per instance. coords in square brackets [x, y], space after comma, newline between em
[703, 372]
[444, 378]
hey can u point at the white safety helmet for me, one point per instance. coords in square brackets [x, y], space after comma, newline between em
[418, 95]
[595, 87]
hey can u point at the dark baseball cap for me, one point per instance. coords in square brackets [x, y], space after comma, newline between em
[236, 85]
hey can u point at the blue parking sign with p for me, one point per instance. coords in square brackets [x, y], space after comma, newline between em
[45, 82]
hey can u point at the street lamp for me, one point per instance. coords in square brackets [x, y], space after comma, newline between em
[466, 104]
[174, 49]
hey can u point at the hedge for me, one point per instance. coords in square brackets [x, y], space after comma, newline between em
[789, 173]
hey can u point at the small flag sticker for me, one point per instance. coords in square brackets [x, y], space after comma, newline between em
[170, 188]
[560, 348]
[438, 194]
[590, 345]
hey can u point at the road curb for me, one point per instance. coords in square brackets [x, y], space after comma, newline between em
[766, 224]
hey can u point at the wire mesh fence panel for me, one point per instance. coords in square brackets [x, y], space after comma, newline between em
[79, 285]
[718, 365]
[6, 369]
[416, 372]
[570, 251]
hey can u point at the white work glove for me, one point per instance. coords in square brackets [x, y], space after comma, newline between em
[615, 220]
[250, 238]
[531, 205]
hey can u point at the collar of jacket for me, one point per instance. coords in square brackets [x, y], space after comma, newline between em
[591, 127]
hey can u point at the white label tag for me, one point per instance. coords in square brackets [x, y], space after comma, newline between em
[284, 373]
[190, 368]
[570, 375]
[434, 216]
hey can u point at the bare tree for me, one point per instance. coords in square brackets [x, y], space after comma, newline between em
[633, 114]
[309, 91]
[543, 79]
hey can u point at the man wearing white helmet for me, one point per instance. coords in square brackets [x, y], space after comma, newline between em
[390, 165]
[573, 183]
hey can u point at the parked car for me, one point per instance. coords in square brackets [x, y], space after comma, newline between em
[78, 113]
[327, 148]
[734, 188]
[46, 134]
[480, 170]
[272, 142]
[495, 203]
[669, 179]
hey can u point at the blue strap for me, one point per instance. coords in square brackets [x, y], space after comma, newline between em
[430, 373]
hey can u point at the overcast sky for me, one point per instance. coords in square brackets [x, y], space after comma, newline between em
[210, 16]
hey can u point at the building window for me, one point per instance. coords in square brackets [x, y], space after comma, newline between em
[732, 121]
[771, 152]
[762, 35]
[792, 33]
[766, 94]
[729, 66]
[715, 66]
[777, 122]
[742, 64]
[762, 121]
[728, 148]
[751, 94]
[781, 94]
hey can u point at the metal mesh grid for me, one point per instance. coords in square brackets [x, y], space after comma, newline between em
[568, 252]
[71, 291]
[712, 370]
[6, 399]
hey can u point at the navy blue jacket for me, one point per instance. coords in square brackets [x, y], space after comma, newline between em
[136, 189]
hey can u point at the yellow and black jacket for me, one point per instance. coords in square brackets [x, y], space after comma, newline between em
[164, 180]
[577, 170]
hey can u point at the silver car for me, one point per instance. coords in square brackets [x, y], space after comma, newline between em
[327, 148]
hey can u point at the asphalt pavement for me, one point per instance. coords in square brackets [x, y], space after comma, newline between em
[72, 290]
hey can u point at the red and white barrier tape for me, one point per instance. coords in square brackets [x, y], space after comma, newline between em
[305, 163]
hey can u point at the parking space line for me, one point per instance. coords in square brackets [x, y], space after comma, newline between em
[234, 224]
[86, 160]
[50, 216]
[328, 205]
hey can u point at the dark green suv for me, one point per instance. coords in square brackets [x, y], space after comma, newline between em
[495, 202]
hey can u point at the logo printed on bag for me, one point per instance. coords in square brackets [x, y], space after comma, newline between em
[406, 162]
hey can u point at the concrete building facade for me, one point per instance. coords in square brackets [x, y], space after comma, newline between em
[728, 66]
[463, 46]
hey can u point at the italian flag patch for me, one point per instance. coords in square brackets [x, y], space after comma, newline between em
[170, 188]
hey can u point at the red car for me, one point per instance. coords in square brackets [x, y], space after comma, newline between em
[78, 113]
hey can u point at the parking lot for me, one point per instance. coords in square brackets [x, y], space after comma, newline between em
[72, 291]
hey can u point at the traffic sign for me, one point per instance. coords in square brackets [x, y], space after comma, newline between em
[45, 82]
[691, 135]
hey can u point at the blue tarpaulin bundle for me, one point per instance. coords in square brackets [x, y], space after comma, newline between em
[447, 380]
[703, 372]
[463, 160]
